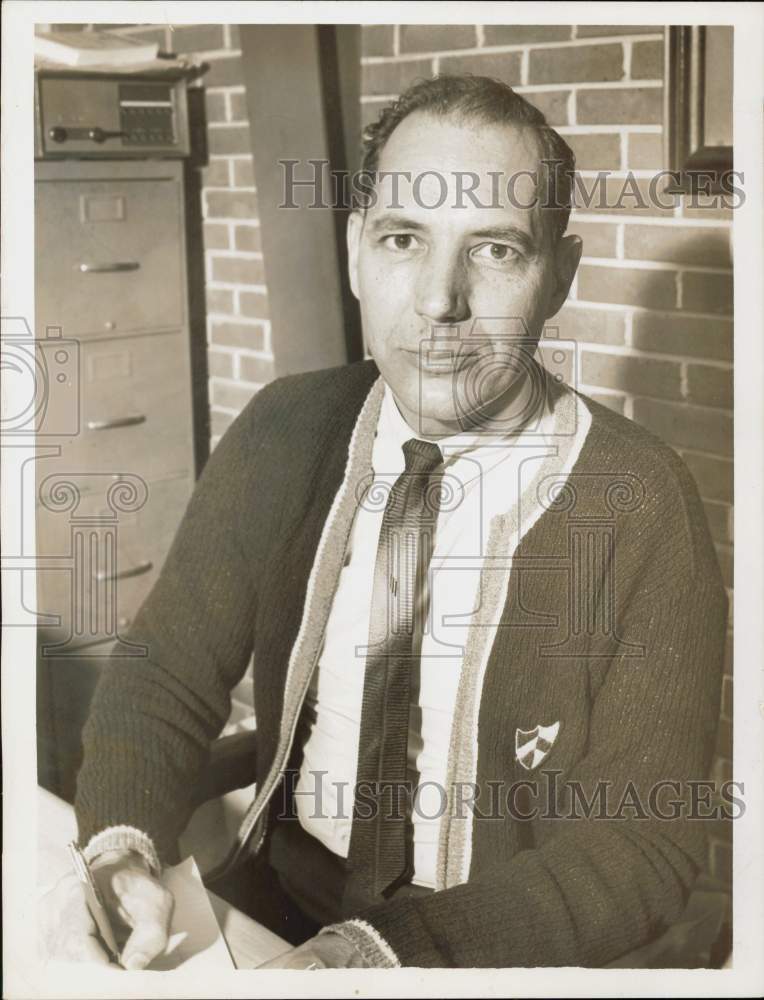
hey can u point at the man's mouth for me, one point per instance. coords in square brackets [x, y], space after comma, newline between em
[442, 362]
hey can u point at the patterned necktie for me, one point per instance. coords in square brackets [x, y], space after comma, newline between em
[380, 854]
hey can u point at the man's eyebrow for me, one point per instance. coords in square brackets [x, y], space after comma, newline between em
[391, 221]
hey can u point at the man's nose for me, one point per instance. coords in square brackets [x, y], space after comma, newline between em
[441, 290]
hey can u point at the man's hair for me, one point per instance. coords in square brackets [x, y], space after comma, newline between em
[492, 103]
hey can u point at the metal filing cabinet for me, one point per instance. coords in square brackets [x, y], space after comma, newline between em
[115, 467]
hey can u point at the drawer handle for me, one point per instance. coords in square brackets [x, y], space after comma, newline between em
[107, 425]
[125, 574]
[116, 265]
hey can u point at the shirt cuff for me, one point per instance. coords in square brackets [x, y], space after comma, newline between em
[123, 838]
[372, 947]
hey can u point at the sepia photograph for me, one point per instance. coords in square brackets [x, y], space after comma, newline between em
[369, 439]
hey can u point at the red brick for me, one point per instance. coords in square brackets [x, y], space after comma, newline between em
[231, 395]
[225, 72]
[622, 195]
[228, 140]
[503, 66]
[599, 30]
[713, 206]
[247, 238]
[436, 37]
[622, 105]
[686, 426]
[249, 335]
[598, 326]
[707, 293]
[238, 270]
[522, 34]
[243, 173]
[231, 204]
[219, 300]
[220, 364]
[215, 174]
[710, 386]
[599, 237]
[196, 37]
[717, 515]
[647, 61]
[553, 104]
[610, 400]
[216, 236]
[377, 39]
[645, 151]
[713, 476]
[645, 376]
[679, 244]
[254, 305]
[393, 77]
[596, 152]
[238, 105]
[256, 369]
[578, 64]
[215, 106]
[698, 338]
[650, 289]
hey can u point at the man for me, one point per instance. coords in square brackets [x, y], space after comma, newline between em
[533, 584]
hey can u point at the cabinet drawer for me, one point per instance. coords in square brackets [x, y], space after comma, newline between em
[135, 408]
[99, 559]
[109, 255]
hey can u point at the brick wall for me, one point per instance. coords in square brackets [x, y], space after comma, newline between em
[651, 309]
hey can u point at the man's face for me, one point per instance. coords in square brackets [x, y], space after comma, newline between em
[475, 275]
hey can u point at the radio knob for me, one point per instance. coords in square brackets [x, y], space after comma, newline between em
[58, 133]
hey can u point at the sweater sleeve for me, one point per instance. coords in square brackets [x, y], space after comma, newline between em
[592, 888]
[154, 716]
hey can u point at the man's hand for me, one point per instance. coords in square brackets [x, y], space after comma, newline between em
[139, 908]
[325, 951]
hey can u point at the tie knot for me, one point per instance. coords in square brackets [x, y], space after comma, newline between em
[422, 457]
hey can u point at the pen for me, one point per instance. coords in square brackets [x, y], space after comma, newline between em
[94, 901]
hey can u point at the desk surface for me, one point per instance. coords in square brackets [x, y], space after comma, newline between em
[250, 943]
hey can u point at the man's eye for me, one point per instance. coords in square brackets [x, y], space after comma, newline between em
[498, 252]
[401, 241]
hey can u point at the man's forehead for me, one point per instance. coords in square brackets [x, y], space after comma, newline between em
[425, 141]
[433, 163]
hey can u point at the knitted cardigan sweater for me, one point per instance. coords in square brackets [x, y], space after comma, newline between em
[602, 616]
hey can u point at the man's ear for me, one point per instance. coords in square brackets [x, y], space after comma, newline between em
[355, 226]
[567, 258]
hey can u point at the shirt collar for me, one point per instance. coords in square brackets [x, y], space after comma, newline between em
[393, 431]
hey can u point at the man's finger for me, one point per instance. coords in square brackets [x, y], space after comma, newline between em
[148, 940]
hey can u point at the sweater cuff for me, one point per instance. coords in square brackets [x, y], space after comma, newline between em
[372, 947]
[123, 838]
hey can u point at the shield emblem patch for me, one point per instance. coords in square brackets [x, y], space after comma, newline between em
[532, 746]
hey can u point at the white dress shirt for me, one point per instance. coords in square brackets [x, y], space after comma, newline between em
[483, 477]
